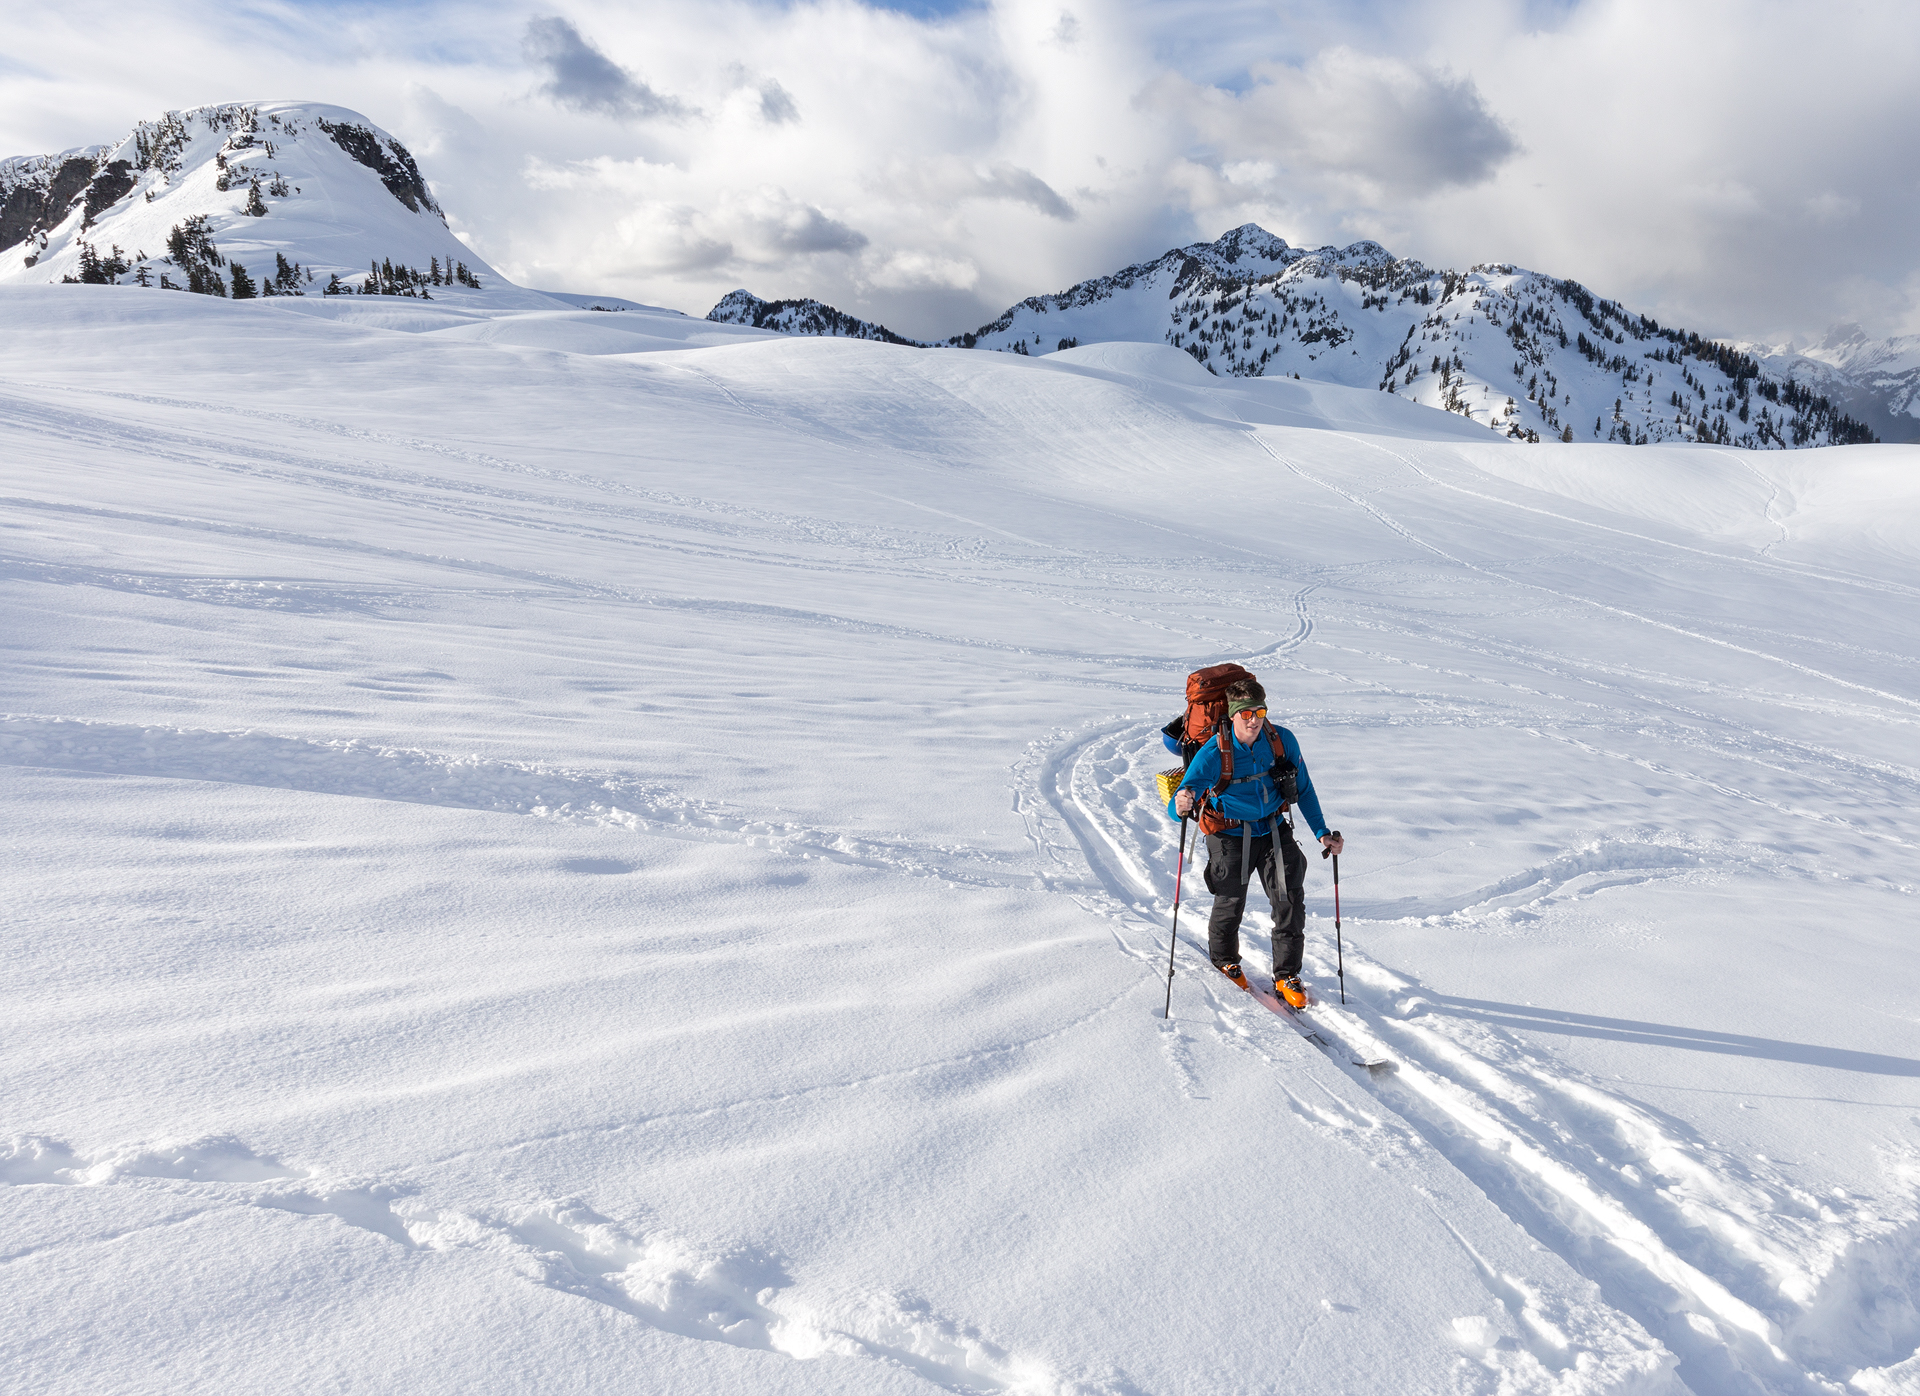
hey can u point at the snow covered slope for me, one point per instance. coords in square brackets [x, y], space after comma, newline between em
[1527, 355]
[277, 185]
[547, 856]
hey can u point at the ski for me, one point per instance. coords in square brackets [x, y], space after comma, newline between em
[1283, 1009]
[1278, 1005]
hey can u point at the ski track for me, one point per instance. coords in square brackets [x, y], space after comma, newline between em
[1737, 1269]
[733, 1293]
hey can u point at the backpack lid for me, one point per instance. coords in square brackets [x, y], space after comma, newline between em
[1207, 698]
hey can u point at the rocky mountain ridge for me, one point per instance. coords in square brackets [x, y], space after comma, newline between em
[1530, 356]
[236, 199]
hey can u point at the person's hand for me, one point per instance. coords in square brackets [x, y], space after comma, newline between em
[1183, 802]
[1333, 843]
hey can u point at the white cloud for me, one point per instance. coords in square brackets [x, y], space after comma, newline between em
[1735, 166]
[1388, 128]
[903, 270]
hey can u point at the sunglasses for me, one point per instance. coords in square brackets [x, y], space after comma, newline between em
[1251, 712]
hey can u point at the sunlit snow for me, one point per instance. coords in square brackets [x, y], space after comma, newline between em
[570, 851]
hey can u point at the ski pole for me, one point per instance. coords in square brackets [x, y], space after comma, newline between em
[1173, 936]
[1339, 950]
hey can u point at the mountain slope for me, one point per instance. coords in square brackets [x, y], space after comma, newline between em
[299, 195]
[1530, 356]
[801, 317]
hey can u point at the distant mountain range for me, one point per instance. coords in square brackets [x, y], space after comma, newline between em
[1876, 380]
[284, 198]
[1532, 357]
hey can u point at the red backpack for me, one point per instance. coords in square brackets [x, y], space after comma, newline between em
[1206, 720]
[1207, 704]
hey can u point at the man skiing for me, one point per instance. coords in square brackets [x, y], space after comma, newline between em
[1245, 828]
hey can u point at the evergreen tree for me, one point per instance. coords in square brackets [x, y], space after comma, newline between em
[256, 205]
[243, 287]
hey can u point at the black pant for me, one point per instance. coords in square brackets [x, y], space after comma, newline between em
[1225, 879]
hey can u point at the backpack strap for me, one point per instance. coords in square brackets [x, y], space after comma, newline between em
[1283, 770]
[1281, 764]
[1223, 736]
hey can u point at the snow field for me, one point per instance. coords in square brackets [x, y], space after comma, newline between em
[635, 871]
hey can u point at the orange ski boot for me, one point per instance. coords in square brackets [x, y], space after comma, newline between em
[1233, 972]
[1292, 990]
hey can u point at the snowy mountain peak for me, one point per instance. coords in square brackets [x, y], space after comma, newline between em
[1246, 248]
[799, 317]
[269, 197]
[1841, 338]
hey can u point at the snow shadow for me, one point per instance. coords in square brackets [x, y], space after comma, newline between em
[1551, 1020]
[411, 776]
[598, 867]
[256, 593]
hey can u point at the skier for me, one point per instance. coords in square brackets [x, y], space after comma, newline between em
[1245, 827]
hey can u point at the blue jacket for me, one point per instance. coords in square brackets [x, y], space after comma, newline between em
[1258, 800]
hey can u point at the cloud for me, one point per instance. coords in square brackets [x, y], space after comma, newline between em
[583, 78]
[1393, 128]
[1750, 174]
[656, 229]
[1832, 208]
[1024, 187]
[944, 183]
[903, 270]
[773, 228]
[777, 107]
